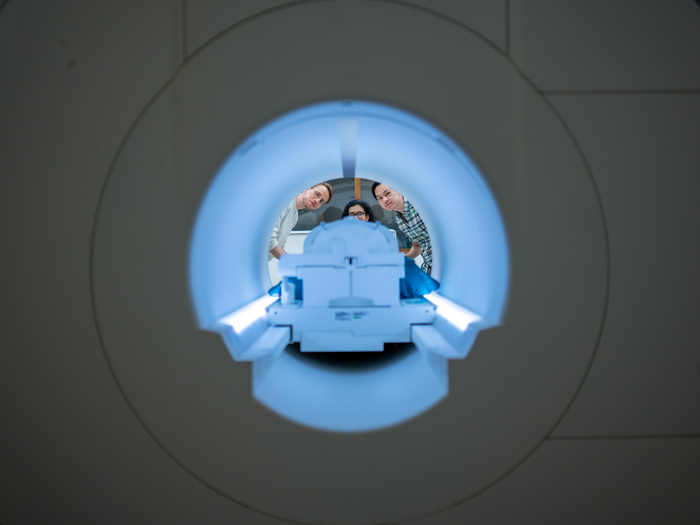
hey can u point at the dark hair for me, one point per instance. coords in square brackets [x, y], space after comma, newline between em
[365, 206]
[374, 187]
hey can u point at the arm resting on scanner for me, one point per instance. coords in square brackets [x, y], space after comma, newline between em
[277, 251]
[414, 251]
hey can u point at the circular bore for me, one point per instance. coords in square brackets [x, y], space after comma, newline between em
[297, 151]
[519, 378]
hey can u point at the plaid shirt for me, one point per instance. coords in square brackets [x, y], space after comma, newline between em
[410, 223]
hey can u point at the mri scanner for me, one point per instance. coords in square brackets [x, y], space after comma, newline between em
[349, 274]
[350, 271]
[130, 127]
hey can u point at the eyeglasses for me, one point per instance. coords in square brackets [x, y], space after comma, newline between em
[359, 214]
[385, 195]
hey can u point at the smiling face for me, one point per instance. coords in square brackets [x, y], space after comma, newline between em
[388, 198]
[315, 197]
[358, 212]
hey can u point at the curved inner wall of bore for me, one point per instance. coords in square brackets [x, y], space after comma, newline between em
[228, 257]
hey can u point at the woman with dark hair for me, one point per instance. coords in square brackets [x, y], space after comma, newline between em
[360, 210]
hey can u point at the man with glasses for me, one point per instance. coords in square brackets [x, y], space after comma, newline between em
[408, 221]
[310, 199]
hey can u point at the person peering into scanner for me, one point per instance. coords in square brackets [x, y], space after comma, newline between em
[409, 222]
[310, 199]
[360, 210]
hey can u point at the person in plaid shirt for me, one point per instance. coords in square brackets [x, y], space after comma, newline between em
[408, 221]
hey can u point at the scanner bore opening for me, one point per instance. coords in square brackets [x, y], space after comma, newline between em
[379, 143]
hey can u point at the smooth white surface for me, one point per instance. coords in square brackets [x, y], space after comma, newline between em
[348, 259]
[381, 400]
[295, 244]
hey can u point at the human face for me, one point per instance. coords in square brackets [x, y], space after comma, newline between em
[315, 197]
[388, 198]
[358, 212]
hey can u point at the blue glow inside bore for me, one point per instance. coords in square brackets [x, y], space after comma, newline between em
[228, 254]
